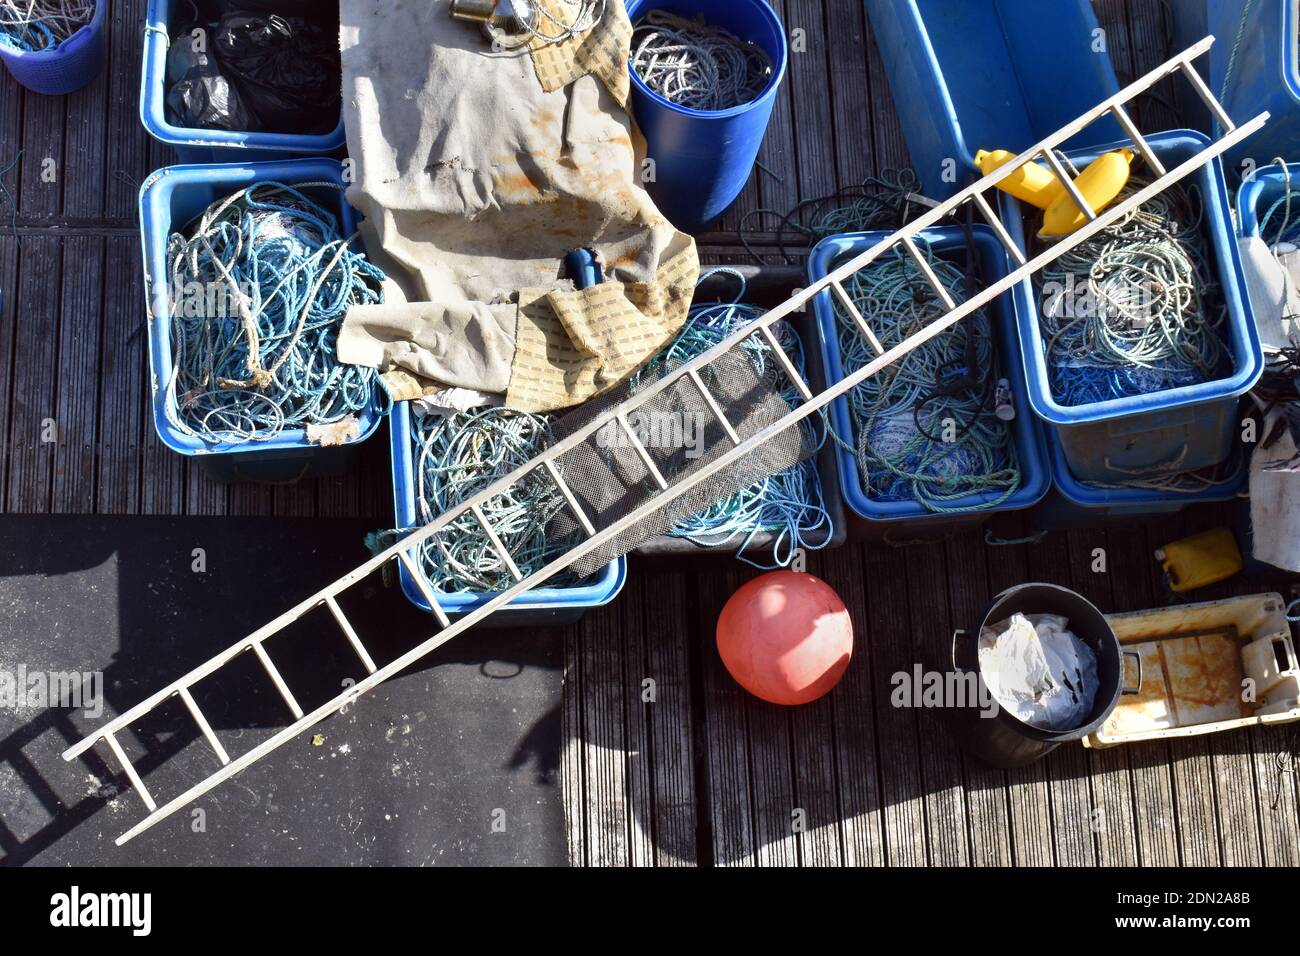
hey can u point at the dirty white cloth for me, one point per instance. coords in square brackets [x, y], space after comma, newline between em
[475, 182]
[1275, 502]
[1038, 670]
[1274, 288]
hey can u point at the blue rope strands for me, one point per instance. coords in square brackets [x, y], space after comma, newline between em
[456, 457]
[33, 26]
[1133, 309]
[925, 428]
[788, 506]
[259, 288]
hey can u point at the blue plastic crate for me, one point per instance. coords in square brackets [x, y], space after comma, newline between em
[1262, 74]
[899, 520]
[210, 145]
[1178, 429]
[169, 199]
[74, 63]
[1074, 504]
[989, 74]
[540, 607]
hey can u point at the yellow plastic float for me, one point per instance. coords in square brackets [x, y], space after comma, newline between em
[1034, 183]
[1031, 183]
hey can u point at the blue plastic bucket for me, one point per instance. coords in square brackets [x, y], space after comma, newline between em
[169, 199]
[210, 145]
[1076, 504]
[540, 607]
[901, 519]
[1178, 429]
[703, 160]
[989, 74]
[69, 66]
[1256, 196]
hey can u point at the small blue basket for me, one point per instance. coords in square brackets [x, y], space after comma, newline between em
[1177, 429]
[210, 145]
[989, 74]
[172, 197]
[1074, 504]
[74, 63]
[901, 518]
[540, 607]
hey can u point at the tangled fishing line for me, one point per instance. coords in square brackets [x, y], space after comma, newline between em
[37, 25]
[1145, 316]
[541, 27]
[456, 457]
[925, 428]
[259, 288]
[695, 65]
[788, 506]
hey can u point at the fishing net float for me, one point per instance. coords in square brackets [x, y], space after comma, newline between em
[697, 66]
[925, 429]
[259, 287]
[1135, 311]
[37, 25]
[788, 505]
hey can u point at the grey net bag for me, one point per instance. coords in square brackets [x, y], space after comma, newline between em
[682, 436]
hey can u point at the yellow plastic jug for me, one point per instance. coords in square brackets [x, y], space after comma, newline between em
[1100, 183]
[1031, 183]
[1203, 559]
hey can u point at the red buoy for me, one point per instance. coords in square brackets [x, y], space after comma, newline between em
[786, 637]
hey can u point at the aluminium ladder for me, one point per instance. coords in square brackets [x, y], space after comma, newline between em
[407, 550]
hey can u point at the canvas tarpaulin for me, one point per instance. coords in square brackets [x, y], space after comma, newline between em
[477, 172]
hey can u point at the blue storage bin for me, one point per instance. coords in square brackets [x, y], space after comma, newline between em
[1178, 429]
[1266, 187]
[901, 519]
[169, 199]
[1073, 504]
[989, 74]
[703, 159]
[1264, 72]
[540, 607]
[210, 145]
[74, 63]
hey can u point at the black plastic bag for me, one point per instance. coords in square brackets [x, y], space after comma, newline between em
[287, 70]
[199, 96]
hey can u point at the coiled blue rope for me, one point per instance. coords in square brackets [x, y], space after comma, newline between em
[259, 288]
[788, 506]
[924, 429]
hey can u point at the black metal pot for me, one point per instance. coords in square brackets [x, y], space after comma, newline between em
[1000, 738]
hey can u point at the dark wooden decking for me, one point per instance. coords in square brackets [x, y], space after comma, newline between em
[703, 774]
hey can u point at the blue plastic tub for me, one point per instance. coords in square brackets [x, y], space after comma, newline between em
[1074, 504]
[703, 160]
[210, 145]
[1180, 429]
[540, 607]
[69, 66]
[1263, 74]
[1256, 196]
[989, 74]
[900, 520]
[169, 199]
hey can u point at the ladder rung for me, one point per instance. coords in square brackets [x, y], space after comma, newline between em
[923, 264]
[1084, 206]
[641, 452]
[346, 626]
[427, 592]
[851, 307]
[1004, 237]
[1203, 91]
[496, 542]
[574, 505]
[1133, 133]
[714, 407]
[783, 360]
[131, 775]
[204, 726]
[276, 679]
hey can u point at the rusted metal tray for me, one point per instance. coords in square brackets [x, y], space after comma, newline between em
[1205, 668]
